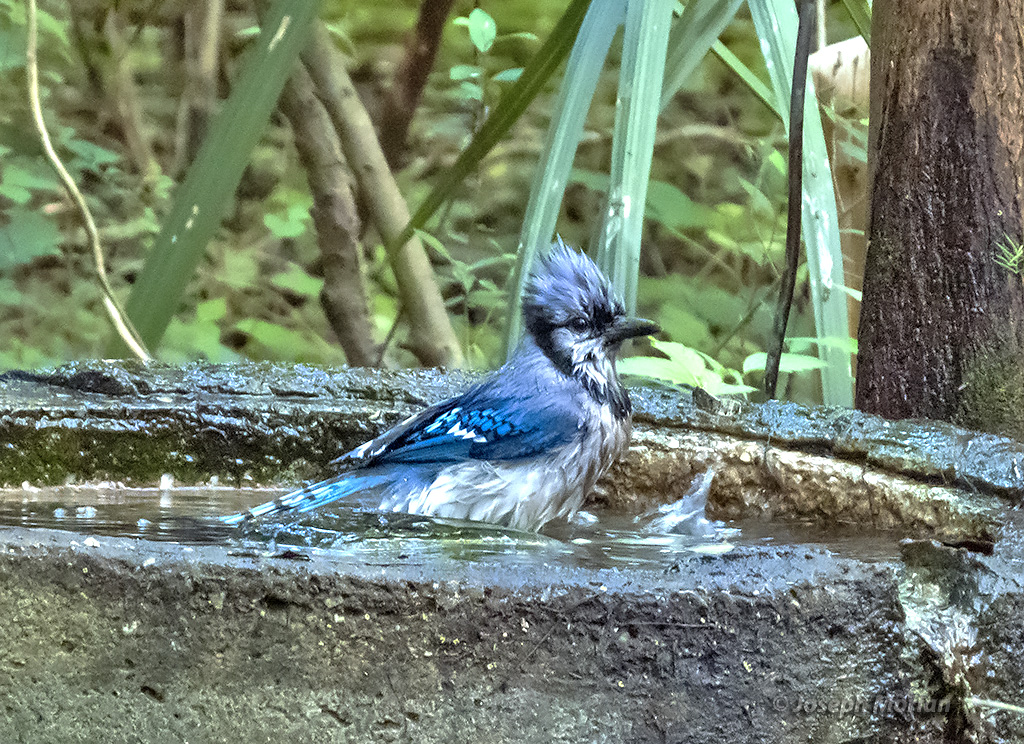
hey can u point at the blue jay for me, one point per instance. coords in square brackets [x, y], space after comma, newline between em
[523, 447]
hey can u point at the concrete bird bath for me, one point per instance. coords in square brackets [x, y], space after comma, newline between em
[874, 593]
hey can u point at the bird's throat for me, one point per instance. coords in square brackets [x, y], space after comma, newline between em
[596, 372]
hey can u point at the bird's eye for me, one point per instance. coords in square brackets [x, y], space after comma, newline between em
[579, 324]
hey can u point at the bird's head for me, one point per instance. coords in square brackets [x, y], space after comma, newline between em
[575, 317]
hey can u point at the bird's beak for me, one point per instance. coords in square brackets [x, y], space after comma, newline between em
[630, 328]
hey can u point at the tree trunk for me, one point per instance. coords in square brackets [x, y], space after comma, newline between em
[942, 323]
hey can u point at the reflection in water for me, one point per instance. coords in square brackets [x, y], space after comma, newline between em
[167, 515]
[187, 516]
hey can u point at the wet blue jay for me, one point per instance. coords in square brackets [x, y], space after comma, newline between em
[523, 447]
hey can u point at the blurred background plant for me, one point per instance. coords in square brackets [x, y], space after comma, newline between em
[129, 91]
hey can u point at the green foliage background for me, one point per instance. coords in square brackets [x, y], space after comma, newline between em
[713, 237]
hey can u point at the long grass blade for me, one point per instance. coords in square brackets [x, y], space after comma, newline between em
[641, 78]
[209, 186]
[696, 31]
[567, 119]
[747, 75]
[860, 11]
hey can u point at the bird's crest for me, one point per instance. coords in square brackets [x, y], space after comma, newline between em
[564, 284]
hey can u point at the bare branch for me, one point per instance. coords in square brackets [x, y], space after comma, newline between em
[201, 53]
[432, 338]
[335, 217]
[114, 309]
[403, 95]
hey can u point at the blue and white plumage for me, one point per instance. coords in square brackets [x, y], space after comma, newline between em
[524, 446]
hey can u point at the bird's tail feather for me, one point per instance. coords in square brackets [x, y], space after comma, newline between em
[311, 497]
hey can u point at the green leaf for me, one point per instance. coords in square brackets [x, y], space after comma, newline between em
[283, 342]
[12, 48]
[679, 323]
[526, 35]
[50, 24]
[19, 355]
[464, 72]
[468, 91]
[278, 342]
[185, 342]
[22, 174]
[298, 281]
[660, 369]
[760, 204]
[860, 11]
[508, 76]
[501, 261]
[666, 204]
[671, 207]
[24, 235]
[291, 224]
[88, 156]
[685, 366]
[747, 75]
[706, 301]
[854, 151]
[211, 311]
[698, 28]
[482, 29]
[239, 269]
[799, 343]
[431, 241]
[10, 295]
[792, 363]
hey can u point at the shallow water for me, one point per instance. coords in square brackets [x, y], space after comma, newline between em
[188, 516]
[167, 515]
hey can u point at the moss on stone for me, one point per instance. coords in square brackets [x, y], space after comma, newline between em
[993, 396]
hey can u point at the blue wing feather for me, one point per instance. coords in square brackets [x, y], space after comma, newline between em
[479, 425]
[312, 496]
[512, 416]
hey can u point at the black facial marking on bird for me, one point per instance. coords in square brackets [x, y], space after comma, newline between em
[579, 322]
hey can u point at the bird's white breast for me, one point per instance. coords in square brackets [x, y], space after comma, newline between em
[525, 495]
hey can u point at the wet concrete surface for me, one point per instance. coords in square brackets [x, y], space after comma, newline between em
[128, 638]
[115, 639]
